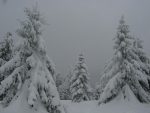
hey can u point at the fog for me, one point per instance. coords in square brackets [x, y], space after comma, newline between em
[76, 26]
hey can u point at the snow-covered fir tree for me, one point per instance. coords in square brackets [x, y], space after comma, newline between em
[144, 64]
[123, 73]
[79, 84]
[59, 80]
[30, 70]
[97, 92]
[6, 48]
[138, 49]
[64, 88]
[6, 52]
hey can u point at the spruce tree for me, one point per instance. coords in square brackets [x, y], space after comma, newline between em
[79, 85]
[64, 88]
[6, 48]
[59, 80]
[144, 64]
[32, 68]
[6, 51]
[122, 74]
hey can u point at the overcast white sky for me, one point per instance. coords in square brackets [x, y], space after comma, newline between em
[77, 26]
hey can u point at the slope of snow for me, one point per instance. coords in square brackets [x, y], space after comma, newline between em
[114, 106]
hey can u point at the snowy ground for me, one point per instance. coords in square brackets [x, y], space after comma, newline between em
[116, 106]
[112, 107]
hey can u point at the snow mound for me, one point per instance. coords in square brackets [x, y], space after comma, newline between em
[20, 105]
[127, 95]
